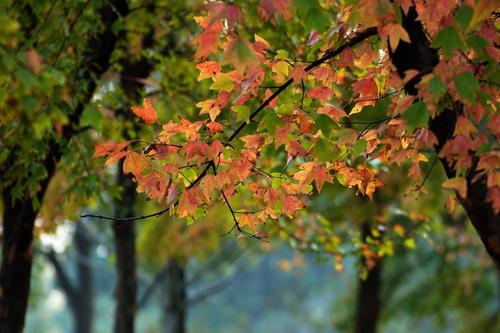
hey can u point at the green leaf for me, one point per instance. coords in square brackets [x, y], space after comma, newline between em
[449, 40]
[91, 117]
[316, 19]
[466, 84]
[463, 16]
[358, 147]
[270, 121]
[222, 82]
[436, 86]
[242, 112]
[325, 124]
[322, 150]
[416, 115]
[477, 42]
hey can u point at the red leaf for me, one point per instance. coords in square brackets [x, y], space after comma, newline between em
[290, 204]
[146, 112]
[214, 127]
[298, 73]
[269, 8]
[208, 69]
[240, 169]
[189, 202]
[333, 112]
[253, 141]
[134, 163]
[321, 93]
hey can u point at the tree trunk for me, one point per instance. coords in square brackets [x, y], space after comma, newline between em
[421, 56]
[124, 235]
[83, 309]
[17, 254]
[368, 303]
[175, 305]
[80, 295]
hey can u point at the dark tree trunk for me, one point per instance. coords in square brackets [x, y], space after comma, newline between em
[124, 236]
[19, 216]
[176, 298]
[368, 303]
[80, 295]
[17, 255]
[124, 232]
[83, 309]
[421, 56]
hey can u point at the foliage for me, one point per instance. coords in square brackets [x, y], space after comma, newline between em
[288, 116]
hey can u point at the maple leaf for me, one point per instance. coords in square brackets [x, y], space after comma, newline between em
[248, 220]
[320, 176]
[333, 112]
[253, 141]
[189, 201]
[209, 106]
[290, 204]
[366, 87]
[113, 151]
[219, 10]
[268, 93]
[321, 93]
[208, 69]
[298, 74]
[207, 40]
[458, 184]
[395, 32]
[134, 163]
[427, 138]
[146, 112]
[269, 8]
[214, 127]
[240, 54]
[240, 169]
[104, 149]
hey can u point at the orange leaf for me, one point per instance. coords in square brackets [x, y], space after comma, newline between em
[333, 112]
[214, 127]
[104, 149]
[290, 204]
[458, 184]
[395, 32]
[321, 93]
[146, 112]
[253, 141]
[189, 202]
[134, 163]
[208, 69]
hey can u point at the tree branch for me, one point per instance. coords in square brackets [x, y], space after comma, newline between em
[327, 56]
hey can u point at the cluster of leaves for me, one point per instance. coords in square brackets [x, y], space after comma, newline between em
[283, 122]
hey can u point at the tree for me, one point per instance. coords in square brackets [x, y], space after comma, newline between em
[411, 84]
[76, 60]
[80, 294]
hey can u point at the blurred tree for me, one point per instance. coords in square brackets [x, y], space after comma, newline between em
[79, 293]
[41, 114]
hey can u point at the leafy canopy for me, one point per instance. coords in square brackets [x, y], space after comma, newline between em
[297, 104]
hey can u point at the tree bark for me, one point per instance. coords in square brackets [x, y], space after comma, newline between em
[368, 303]
[124, 236]
[83, 309]
[421, 56]
[80, 295]
[176, 300]
[17, 256]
